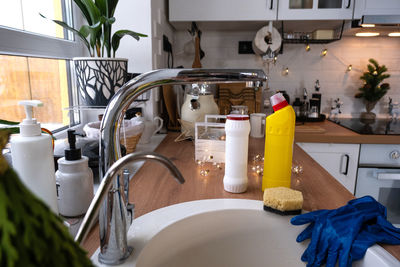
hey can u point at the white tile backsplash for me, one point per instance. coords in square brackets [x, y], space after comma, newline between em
[221, 49]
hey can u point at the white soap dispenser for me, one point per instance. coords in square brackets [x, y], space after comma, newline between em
[74, 181]
[32, 157]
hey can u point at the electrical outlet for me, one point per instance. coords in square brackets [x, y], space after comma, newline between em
[167, 47]
[246, 47]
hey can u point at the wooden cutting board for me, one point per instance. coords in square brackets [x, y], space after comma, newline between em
[309, 129]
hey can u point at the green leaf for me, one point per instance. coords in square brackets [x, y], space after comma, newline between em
[110, 20]
[6, 122]
[112, 4]
[374, 62]
[84, 11]
[96, 40]
[121, 33]
[66, 26]
[85, 30]
[91, 31]
[371, 68]
[106, 38]
[93, 11]
[102, 5]
[12, 130]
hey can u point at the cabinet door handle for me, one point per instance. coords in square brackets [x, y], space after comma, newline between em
[348, 3]
[346, 169]
[271, 5]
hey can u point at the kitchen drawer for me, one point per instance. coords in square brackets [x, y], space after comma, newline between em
[340, 160]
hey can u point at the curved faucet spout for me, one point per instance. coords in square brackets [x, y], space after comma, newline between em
[110, 145]
[114, 248]
[107, 183]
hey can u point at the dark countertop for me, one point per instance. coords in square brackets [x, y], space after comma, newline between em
[330, 132]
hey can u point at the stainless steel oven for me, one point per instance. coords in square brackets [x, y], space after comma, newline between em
[379, 176]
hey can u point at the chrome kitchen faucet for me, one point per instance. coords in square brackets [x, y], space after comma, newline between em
[113, 214]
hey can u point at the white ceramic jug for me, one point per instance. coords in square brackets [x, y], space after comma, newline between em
[150, 129]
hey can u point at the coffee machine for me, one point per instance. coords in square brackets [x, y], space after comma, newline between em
[315, 102]
[309, 110]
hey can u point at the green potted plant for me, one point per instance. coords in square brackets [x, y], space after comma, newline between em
[101, 74]
[373, 88]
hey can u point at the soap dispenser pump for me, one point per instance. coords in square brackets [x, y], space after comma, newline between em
[74, 180]
[32, 157]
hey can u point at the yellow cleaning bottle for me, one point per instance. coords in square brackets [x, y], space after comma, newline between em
[279, 136]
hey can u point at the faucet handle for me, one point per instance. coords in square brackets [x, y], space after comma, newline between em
[126, 177]
[130, 210]
[129, 207]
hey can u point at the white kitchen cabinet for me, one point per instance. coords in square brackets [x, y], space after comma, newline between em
[340, 160]
[374, 7]
[315, 9]
[222, 10]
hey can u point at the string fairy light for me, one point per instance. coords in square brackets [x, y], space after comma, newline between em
[205, 164]
[258, 164]
[286, 62]
[286, 71]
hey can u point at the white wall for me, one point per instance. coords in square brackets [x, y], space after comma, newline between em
[221, 48]
[146, 17]
[160, 26]
[134, 16]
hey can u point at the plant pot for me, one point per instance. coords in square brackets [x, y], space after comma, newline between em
[98, 79]
[368, 116]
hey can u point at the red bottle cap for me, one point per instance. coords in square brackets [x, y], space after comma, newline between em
[237, 117]
[278, 101]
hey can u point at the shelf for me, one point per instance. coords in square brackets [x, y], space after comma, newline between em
[134, 104]
[305, 37]
[309, 41]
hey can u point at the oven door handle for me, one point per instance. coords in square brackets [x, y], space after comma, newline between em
[388, 176]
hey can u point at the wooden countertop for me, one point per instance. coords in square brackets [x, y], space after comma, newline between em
[153, 187]
[330, 132]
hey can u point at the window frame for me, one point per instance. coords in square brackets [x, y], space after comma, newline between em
[16, 42]
[21, 43]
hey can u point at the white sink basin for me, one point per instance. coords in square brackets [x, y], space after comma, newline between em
[222, 232]
[231, 238]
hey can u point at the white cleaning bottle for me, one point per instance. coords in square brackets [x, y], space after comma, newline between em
[33, 159]
[237, 128]
[74, 181]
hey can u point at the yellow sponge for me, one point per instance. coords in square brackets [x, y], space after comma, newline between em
[283, 200]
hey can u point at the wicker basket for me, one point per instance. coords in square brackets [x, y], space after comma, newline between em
[126, 137]
[130, 142]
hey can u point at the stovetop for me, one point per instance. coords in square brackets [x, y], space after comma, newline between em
[378, 126]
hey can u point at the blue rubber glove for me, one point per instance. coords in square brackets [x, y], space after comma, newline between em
[380, 231]
[333, 232]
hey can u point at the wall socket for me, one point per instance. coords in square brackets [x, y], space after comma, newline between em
[246, 47]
